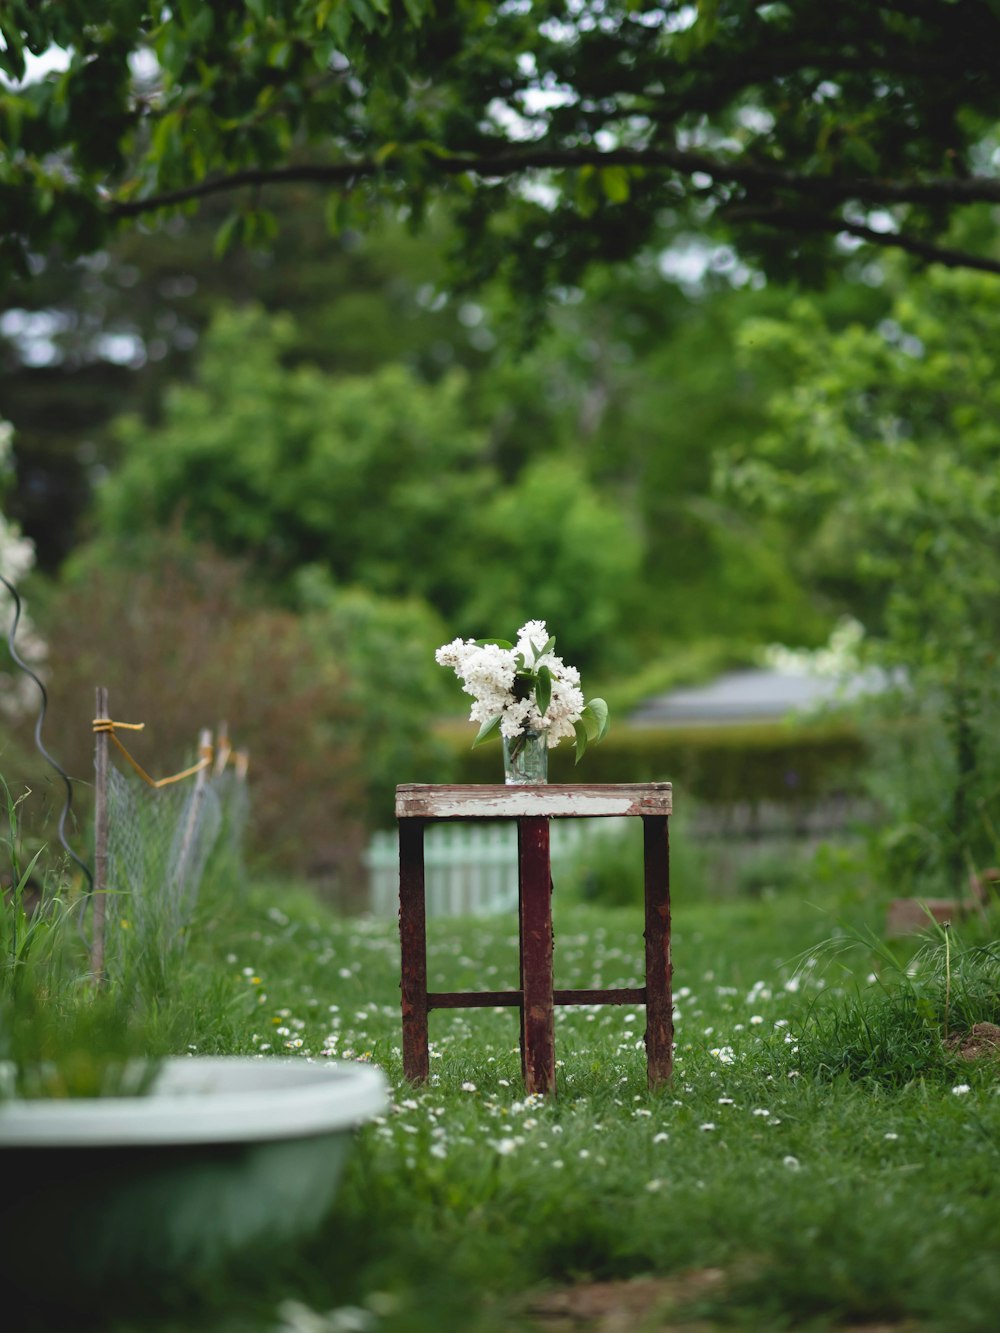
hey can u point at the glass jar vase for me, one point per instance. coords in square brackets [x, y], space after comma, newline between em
[526, 759]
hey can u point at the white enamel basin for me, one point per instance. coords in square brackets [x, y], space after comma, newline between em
[222, 1153]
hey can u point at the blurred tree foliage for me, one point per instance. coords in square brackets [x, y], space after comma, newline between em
[882, 455]
[629, 393]
[81, 342]
[380, 479]
[479, 356]
[392, 685]
[557, 131]
[290, 466]
[882, 459]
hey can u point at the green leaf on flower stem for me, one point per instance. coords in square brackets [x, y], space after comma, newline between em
[498, 643]
[549, 647]
[491, 725]
[581, 740]
[543, 689]
[595, 719]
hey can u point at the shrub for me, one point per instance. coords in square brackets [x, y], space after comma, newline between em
[915, 1019]
[175, 634]
[713, 765]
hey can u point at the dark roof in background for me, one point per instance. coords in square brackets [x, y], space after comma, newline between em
[755, 695]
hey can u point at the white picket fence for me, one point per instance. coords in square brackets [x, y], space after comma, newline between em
[470, 869]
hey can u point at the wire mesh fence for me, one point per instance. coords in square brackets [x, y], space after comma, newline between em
[156, 841]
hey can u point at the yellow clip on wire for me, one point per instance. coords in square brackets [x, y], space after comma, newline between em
[106, 726]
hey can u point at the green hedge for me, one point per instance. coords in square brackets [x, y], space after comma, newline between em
[716, 765]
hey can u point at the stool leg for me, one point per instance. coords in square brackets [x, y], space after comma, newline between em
[659, 996]
[538, 1047]
[413, 949]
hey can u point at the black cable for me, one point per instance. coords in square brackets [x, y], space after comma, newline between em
[19, 660]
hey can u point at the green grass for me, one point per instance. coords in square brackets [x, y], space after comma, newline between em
[828, 1191]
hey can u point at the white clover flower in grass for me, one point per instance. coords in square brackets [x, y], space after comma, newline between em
[724, 1054]
[524, 687]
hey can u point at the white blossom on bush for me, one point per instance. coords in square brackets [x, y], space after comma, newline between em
[840, 656]
[17, 557]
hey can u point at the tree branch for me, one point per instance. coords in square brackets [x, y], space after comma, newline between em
[830, 189]
[797, 221]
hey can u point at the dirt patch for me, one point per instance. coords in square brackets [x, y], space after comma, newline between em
[981, 1042]
[647, 1305]
[626, 1307]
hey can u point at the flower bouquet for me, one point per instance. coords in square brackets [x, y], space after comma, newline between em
[525, 692]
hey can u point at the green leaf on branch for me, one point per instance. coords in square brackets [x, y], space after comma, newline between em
[543, 689]
[489, 727]
[227, 233]
[615, 184]
[12, 58]
[499, 643]
[587, 193]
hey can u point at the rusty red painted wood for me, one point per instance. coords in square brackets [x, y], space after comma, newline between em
[597, 801]
[413, 950]
[538, 1041]
[659, 997]
[500, 999]
[474, 999]
[620, 995]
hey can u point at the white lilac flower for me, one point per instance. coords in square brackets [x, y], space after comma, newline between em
[488, 672]
[515, 717]
[531, 639]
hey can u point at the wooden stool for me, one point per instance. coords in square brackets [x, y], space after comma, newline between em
[533, 807]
